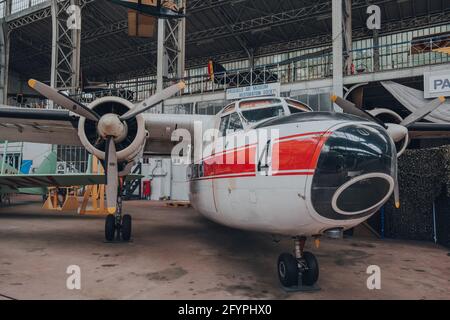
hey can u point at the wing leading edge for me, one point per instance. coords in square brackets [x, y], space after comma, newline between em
[39, 126]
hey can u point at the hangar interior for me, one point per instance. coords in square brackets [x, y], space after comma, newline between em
[296, 40]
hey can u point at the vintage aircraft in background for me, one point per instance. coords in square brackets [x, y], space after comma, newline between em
[163, 9]
[412, 99]
[321, 173]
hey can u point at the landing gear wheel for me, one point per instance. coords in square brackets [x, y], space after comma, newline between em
[110, 227]
[311, 274]
[288, 270]
[126, 227]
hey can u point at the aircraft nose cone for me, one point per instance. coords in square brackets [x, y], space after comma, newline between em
[354, 173]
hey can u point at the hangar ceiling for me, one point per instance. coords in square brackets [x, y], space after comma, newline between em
[223, 29]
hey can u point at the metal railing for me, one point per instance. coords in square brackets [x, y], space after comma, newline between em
[370, 59]
[18, 5]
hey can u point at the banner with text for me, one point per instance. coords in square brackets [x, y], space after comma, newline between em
[269, 89]
[437, 84]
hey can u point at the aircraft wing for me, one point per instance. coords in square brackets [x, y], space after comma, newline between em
[422, 130]
[39, 126]
[161, 127]
[12, 183]
[15, 182]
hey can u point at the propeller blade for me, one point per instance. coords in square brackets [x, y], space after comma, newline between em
[421, 113]
[63, 100]
[396, 191]
[153, 100]
[112, 176]
[351, 108]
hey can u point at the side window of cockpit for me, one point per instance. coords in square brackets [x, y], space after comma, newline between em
[295, 110]
[224, 125]
[235, 123]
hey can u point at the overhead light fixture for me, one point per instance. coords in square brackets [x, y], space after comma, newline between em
[204, 41]
[323, 17]
[261, 30]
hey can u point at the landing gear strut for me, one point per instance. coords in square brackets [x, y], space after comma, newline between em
[118, 227]
[298, 272]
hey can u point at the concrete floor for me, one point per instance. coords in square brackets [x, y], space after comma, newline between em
[176, 254]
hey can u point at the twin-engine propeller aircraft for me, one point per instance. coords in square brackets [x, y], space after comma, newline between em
[270, 165]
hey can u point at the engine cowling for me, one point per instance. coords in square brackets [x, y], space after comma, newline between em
[392, 121]
[128, 144]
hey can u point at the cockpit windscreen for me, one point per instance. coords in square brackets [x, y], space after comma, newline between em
[256, 115]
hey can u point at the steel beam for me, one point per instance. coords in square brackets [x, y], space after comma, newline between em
[337, 44]
[5, 41]
[33, 14]
[320, 40]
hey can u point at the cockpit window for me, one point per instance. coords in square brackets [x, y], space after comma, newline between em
[224, 125]
[295, 110]
[297, 107]
[257, 115]
[235, 123]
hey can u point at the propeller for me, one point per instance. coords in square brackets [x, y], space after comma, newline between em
[396, 190]
[63, 100]
[110, 127]
[421, 113]
[112, 175]
[351, 108]
[154, 100]
[397, 132]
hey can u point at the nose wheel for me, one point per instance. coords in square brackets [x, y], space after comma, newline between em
[118, 227]
[298, 272]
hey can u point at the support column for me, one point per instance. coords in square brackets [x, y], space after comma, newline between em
[376, 51]
[4, 56]
[161, 61]
[66, 43]
[171, 50]
[181, 44]
[338, 81]
[348, 41]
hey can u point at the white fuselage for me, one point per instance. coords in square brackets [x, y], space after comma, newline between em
[268, 193]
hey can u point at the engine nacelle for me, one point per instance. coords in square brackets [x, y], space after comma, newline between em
[390, 117]
[128, 145]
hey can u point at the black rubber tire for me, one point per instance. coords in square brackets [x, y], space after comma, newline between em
[310, 276]
[288, 270]
[110, 227]
[126, 227]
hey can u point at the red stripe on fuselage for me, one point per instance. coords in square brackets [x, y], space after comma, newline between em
[295, 156]
[238, 160]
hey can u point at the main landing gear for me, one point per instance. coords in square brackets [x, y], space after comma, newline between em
[298, 272]
[118, 227]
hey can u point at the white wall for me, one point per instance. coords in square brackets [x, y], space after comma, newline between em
[31, 151]
[168, 180]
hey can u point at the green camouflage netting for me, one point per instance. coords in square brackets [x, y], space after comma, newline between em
[424, 179]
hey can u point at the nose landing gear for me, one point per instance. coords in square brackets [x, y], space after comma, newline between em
[118, 227]
[299, 272]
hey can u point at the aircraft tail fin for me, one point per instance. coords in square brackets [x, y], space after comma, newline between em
[215, 69]
[48, 166]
